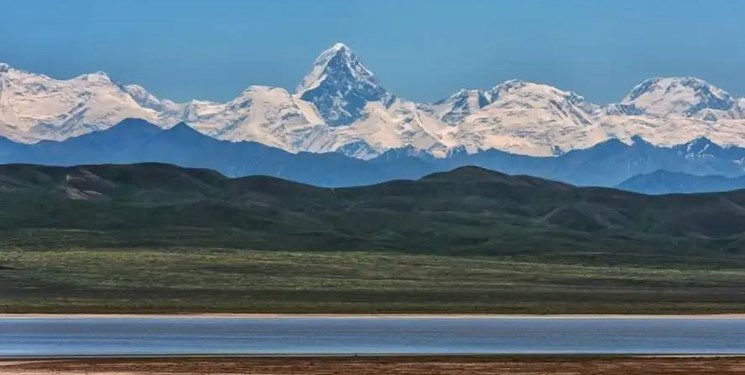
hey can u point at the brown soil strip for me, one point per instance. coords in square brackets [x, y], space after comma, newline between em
[384, 365]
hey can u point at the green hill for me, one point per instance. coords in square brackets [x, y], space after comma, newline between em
[158, 238]
[467, 210]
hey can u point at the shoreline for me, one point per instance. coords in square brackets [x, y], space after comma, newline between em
[10, 360]
[409, 365]
[370, 316]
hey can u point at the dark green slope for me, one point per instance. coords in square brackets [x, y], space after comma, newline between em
[467, 210]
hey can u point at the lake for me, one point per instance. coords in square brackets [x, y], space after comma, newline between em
[83, 336]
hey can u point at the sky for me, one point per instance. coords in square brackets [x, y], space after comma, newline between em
[421, 50]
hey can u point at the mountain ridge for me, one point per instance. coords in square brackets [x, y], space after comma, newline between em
[667, 182]
[608, 163]
[466, 210]
[341, 107]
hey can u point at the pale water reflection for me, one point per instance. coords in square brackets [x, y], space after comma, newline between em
[50, 336]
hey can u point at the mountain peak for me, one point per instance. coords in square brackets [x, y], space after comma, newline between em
[517, 83]
[473, 174]
[338, 46]
[99, 77]
[133, 123]
[533, 88]
[467, 173]
[686, 96]
[335, 60]
[462, 103]
[340, 86]
[128, 127]
[185, 130]
[699, 147]
[337, 49]
[4, 67]
[700, 141]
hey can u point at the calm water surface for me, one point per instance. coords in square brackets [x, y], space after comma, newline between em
[368, 335]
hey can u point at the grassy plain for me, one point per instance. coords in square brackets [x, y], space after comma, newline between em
[179, 280]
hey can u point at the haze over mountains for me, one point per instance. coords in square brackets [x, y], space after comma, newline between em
[342, 127]
[664, 182]
[134, 141]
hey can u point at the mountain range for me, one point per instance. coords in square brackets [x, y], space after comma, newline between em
[666, 182]
[340, 127]
[608, 163]
[341, 106]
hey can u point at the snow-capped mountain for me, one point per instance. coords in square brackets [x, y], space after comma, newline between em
[528, 118]
[341, 106]
[362, 118]
[689, 97]
[269, 115]
[671, 111]
[340, 87]
[35, 107]
[455, 108]
[540, 120]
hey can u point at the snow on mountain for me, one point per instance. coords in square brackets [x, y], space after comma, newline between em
[672, 130]
[340, 86]
[169, 112]
[341, 106]
[365, 119]
[34, 106]
[528, 118]
[393, 125]
[687, 96]
[674, 110]
[540, 120]
[338, 106]
[454, 109]
[265, 114]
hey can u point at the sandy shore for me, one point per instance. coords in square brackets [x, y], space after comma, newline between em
[382, 366]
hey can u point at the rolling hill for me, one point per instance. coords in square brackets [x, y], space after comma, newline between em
[466, 210]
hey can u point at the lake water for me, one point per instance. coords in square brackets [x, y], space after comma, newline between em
[43, 336]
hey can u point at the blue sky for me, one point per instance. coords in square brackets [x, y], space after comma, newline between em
[420, 49]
